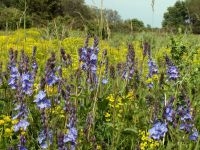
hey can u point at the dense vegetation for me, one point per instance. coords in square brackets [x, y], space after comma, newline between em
[64, 89]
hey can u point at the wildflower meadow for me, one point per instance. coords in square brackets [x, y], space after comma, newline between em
[85, 93]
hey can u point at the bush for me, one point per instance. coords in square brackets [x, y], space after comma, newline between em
[12, 18]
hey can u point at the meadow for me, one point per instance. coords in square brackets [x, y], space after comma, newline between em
[131, 92]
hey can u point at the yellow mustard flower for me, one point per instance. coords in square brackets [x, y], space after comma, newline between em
[107, 115]
[155, 77]
[99, 147]
[7, 118]
[149, 80]
[15, 121]
[111, 98]
[2, 122]
[8, 132]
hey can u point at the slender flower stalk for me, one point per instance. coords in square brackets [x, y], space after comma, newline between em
[45, 136]
[88, 56]
[50, 71]
[172, 70]
[130, 64]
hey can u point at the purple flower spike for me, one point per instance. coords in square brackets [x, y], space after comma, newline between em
[21, 124]
[14, 74]
[194, 136]
[186, 126]
[158, 130]
[22, 148]
[153, 69]
[44, 138]
[27, 83]
[42, 101]
[71, 136]
[172, 70]
[169, 113]
[52, 79]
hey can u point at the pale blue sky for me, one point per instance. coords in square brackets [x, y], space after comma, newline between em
[140, 9]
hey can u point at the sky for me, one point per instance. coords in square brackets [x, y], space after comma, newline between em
[140, 9]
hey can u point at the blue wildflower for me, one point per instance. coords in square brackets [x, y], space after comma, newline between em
[186, 126]
[173, 72]
[51, 79]
[158, 130]
[22, 148]
[71, 136]
[42, 101]
[27, 83]
[34, 66]
[104, 81]
[22, 111]
[130, 64]
[184, 113]
[45, 138]
[22, 124]
[194, 136]
[14, 74]
[153, 69]
[169, 113]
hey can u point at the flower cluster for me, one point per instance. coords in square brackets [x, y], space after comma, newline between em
[130, 63]
[169, 113]
[172, 70]
[153, 71]
[186, 119]
[42, 101]
[50, 71]
[89, 57]
[12, 67]
[72, 134]
[181, 114]
[6, 126]
[146, 142]
[116, 104]
[158, 130]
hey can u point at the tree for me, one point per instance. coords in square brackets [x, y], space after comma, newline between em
[194, 13]
[134, 24]
[176, 16]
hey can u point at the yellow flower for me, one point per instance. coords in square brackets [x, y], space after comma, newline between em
[14, 121]
[149, 80]
[2, 122]
[130, 95]
[107, 115]
[110, 98]
[23, 133]
[8, 132]
[62, 116]
[99, 147]
[155, 77]
[119, 115]
[7, 119]
[107, 119]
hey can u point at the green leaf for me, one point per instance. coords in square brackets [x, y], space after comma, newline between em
[130, 131]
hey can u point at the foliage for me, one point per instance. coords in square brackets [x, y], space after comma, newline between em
[194, 10]
[136, 89]
[176, 17]
[12, 18]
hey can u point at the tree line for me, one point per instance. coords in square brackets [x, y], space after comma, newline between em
[184, 15]
[75, 14]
